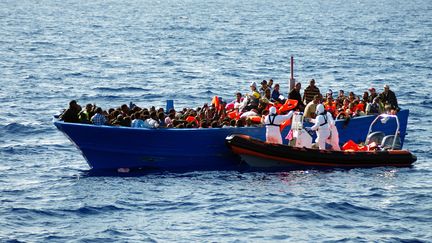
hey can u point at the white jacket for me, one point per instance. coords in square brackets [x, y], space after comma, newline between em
[273, 122]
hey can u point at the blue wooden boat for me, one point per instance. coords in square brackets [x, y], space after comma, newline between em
[185, 149]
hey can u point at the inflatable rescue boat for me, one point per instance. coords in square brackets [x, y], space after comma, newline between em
[261, 155]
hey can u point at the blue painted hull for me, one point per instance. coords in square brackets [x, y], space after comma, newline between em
[106, 147]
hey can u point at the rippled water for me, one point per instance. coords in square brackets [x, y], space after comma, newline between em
[114, 52]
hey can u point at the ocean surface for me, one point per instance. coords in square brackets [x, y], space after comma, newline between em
[116, 52]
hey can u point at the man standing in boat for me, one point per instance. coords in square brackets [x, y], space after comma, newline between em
[273, 122]
[310, 92]
[321, 127]
[333, 140]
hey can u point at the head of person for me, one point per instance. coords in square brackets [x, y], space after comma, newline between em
[312, 82]
[341, 93]
[297, 86]
[372, 90]
[365, 95]
[376, 100]
[316, 99]
[329, 93]
[386, 88]
[267, 93]
[73, 104]
[264, 83]
[125, 108]
[270, 82]
[319, 109]
[346, 102]
[253, 86]
[89, 107]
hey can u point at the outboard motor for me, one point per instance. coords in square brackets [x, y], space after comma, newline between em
[299, 136]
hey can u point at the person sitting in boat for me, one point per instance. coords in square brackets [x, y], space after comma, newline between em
[99, 118]
[270, 84]
[374, 108]
[294, 94]
[137, 120]
[365, 97]
[273, 122]
[125, 110]
[372, 94]
[263, 87]
[169, 120]
[329, 103]
[235, 104]
[266, 98]
[321, 127]
[253, 98]
[161, 117]
[86, 114]
[351, 97]
[71, 114]
[210, 113]
[122, 121]
[275, 95]
[340, 98]
[388, 97]
[152, 121]
[344, 111]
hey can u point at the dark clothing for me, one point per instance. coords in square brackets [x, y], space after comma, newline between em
[295, 95]
[372, 97]
[309, 93]
[374, 108]
[275, 96]
[389, 99]
[70, 115]
[340, 101]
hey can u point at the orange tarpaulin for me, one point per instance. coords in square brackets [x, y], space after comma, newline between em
[352, 146]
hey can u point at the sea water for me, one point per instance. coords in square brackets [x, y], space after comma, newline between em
[146, 52]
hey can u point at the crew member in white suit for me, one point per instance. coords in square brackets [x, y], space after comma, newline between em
[321, 126]
[273, 122]
[333, 140]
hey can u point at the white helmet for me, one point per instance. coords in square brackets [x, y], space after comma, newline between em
[319, 109]
[272, 110]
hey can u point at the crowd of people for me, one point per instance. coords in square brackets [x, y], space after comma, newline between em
[243, 110]
[342, 106]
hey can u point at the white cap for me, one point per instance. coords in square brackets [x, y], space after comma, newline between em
[253, 84]
[272, 110]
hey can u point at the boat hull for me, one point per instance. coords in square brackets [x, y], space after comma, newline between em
[261, 155]
[186, 149]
